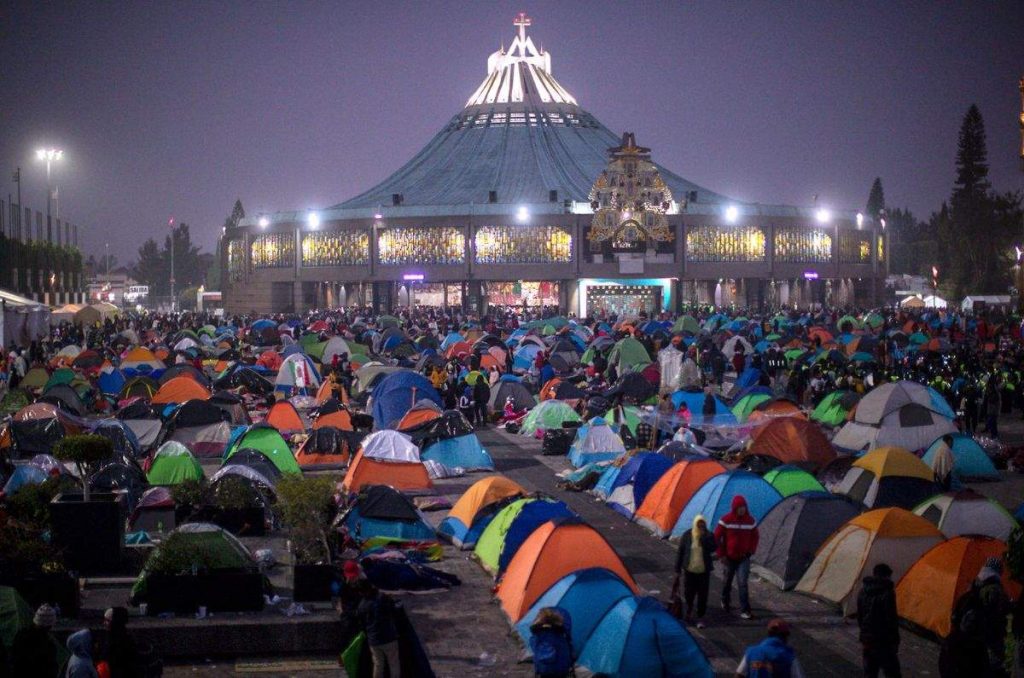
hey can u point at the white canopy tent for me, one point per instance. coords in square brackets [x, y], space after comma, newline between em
[22, 320]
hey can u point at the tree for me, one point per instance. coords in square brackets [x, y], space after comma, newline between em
[150, 269]
[876, 199]
[237, 214]
[84, 451]
[972, 184]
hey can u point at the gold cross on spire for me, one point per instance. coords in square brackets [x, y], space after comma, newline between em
[522, 21]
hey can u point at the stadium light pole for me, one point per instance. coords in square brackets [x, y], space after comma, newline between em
[49, 156]
[170, 224]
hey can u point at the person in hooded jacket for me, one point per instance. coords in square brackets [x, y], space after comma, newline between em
[694, 562]
[879, 624]
[34, 649]
[121, 652]
[736, 535]
[81, 663]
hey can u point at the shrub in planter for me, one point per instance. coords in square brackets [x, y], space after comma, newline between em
[189, 497]
[88, 527]
[35, 569]
[305, 506]
[239, 507]
[30, 505]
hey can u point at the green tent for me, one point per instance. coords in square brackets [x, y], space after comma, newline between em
[628, 354]
[686, 323]
[13, 401]
[492, 539]
[557, 322]
[747, 404]
[789, 480]
[173, 464]
[548, 414]
[626, 415]
[873, 320]
[37, 377]
[64, 375]
[847, 324]
[794, 353]
[316, 350]
[833, 408]
[194, 546]
[267, 440]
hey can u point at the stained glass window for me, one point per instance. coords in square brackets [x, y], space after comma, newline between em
[802, 245]
[854, 247]
[523, 245]
[341, 248]
[725, 243]
[273, 250]
[236, 260]
[445, 245]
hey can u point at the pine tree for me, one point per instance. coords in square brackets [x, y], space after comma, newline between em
[971, 162]
[876, 199]
[237, 214]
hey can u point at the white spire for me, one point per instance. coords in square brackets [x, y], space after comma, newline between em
[506, 72]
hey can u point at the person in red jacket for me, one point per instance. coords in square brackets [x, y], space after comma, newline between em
[736, 535]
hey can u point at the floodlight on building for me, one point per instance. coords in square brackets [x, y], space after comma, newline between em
[264, 222]
[860, 219]
[823, 216]
[522, 214]
[313, 219]
[732, 214]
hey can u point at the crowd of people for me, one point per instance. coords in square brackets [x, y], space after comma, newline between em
[975, 363]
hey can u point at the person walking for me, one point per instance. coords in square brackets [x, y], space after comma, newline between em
[879, 624]
[772, 657]
[694, 563]
[976, 644]
[377, 615]
[736, 536]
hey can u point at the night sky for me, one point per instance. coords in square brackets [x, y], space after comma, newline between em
[177, 108]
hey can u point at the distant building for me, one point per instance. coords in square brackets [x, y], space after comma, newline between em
[525, 199]
[117, 287]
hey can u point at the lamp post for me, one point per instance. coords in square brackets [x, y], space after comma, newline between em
[170, 224]
[935, 286]
[49, 156]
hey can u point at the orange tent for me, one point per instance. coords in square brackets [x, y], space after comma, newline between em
[666, 500]
[270, 359]
[553, 551]
[819, 333]
[483, 493]
[285, 418]
[547, 392]
[487, 361]
[928, 591]
[418, 415]
[162, 352]
[339, 419]
[792, 440]
[324, 447]
[330, 389]
[458, 347]
[774, 409]
[180, 390]
[403, 476]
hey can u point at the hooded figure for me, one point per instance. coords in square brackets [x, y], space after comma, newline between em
[879, 623]
[736, 535]
[80, 665]
[942, 463]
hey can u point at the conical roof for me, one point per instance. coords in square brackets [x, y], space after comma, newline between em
[522, 136]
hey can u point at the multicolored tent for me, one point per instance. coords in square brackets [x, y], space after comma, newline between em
[888, 476]
[714, 499]
[660, 509]
[967, 512]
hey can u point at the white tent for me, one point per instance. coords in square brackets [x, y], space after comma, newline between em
[913, 301]
[932, 301]
[388, 445]
[22, 320]
[336, 346]
[989, 300]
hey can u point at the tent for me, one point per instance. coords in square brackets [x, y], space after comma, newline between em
[891, 535]
[792, 440]
[492, 539]
[790, 480]
[595, 442]
[139, 387]
[475, 509]
[382, 512]
[143, 421]
[269, 442]
[666, 499]
[390, 446]
[285, 418]
[911, 426]
[141, 360]
[297, 374]
[509, 387]
[794, 530]
[200, 426]
[702, 411]
[969, 459]
[35, 379]
[423, 412]
[528, 519]
[173, 464]
[628, 354]
[396, 393]
[335, 346]
[184, 370]
[634, 480]
[835, 408]
[638, 637]
[549, 414]
[967, 512]
[714, 499]
[465, 452]
[325, 446]
[404, 476]
[889, 476]
[586, 595]
[552, 551]
[36, 428]
[929, 590]
[745, 405]
[179, 390]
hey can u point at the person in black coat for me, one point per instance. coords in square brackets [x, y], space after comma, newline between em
[879, 624]
[694, 563]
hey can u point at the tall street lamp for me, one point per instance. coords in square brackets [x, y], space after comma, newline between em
[49, 156]
[170, 224]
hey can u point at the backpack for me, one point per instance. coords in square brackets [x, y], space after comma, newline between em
[552, 650]
[967, 613]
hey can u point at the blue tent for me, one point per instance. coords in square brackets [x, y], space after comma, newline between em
[452, 338]
[638, 637]
[635, 480]
[523, 358]
[363, 528]
[714, 499]
[112, 381]
[694, 400]
[969, 459]
[291, 349]
[532, 516]
[596, 441]
[26, 474]
[260, 325]
[751, 376]
[586, 595]
[463, 451]
[606, 483]
[120, 435]
[396, 393]
[651, 470]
